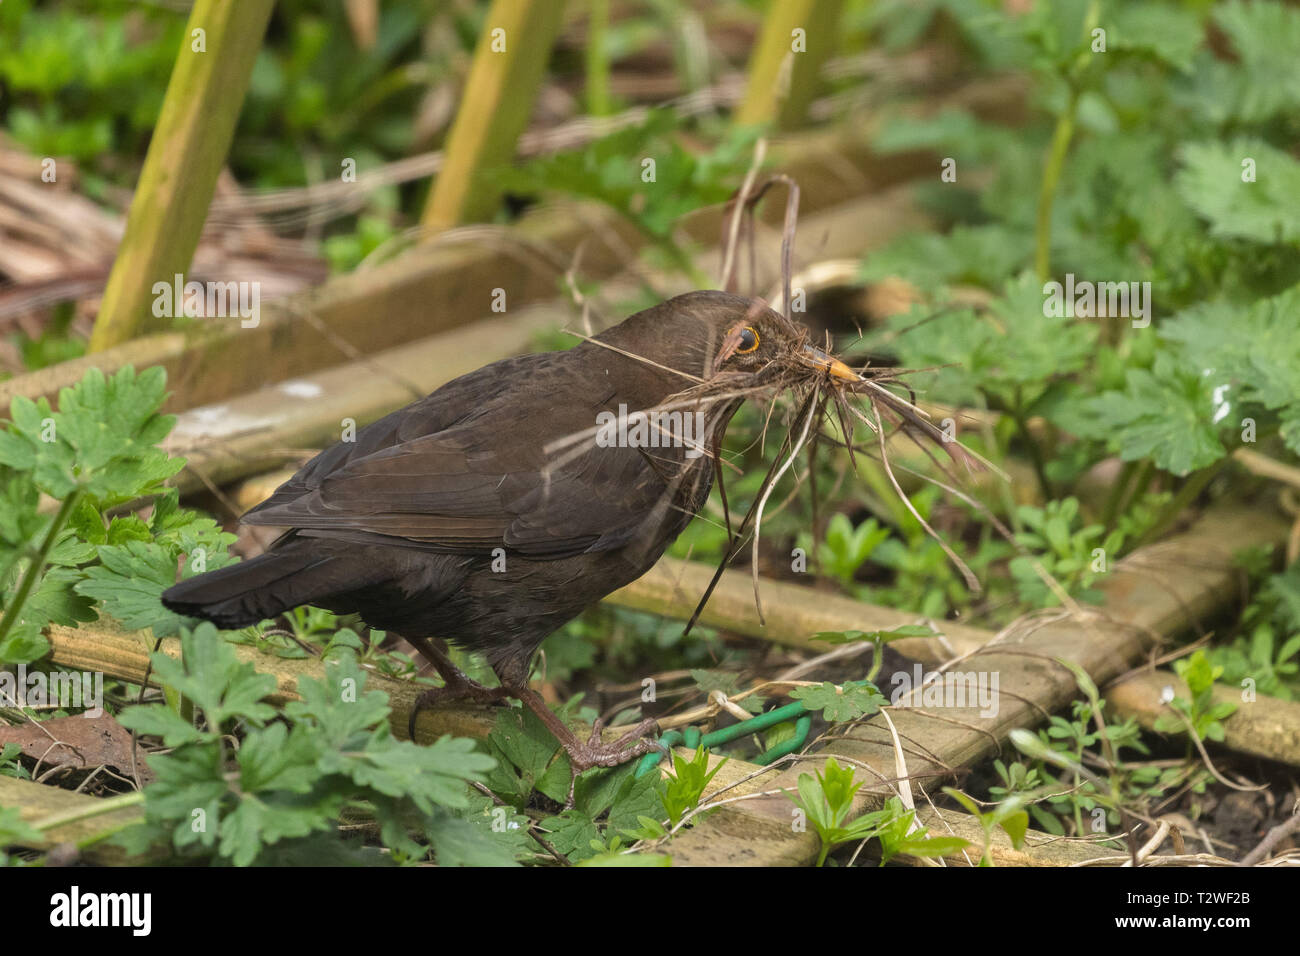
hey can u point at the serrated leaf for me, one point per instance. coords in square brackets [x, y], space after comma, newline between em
[1263, 210]
[212, 676]
[853, 637]
[1164, 413]
[857, 700]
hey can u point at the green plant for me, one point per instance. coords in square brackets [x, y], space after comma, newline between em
[97, 452]
[9, 765]
[532, 768]
[1201, 713]
[647, 176]
[849, 701]
[1201, 367]
[1009, 815]
[292, 777]
[683, 791]
[1065, 744]
[827, 801]
[1074, 557]
[1267, 645]
[846, 548]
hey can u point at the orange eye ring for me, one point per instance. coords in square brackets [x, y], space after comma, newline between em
[748, 341]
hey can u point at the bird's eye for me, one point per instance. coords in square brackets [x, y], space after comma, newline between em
[748, 341]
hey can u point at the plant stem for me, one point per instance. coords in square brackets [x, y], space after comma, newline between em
[1132, 485]
[1060, 145]
[108, 805]
[1035, 453]
[1192, 487]
[598, 99]
[1061, 137]
[34, 569]
[1116, 496]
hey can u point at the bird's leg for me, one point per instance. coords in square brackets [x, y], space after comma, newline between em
[456, 686]
[637, 742]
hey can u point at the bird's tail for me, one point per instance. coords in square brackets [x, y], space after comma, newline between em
[242, 594]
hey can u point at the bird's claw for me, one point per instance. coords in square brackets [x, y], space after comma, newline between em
[637, 742]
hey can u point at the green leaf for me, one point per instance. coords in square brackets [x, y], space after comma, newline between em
[853, 637]
[709, 681]
[1264, 35]
[457, 842]
[857, 700]
[1249, 354]
[160, 721]
[572, 833]
[429, 776]
[211, 675]
[1016, 825]
[259, 821]
[24, 643]
[1166, 33]
[130, 580]
[275, 758]
[1165, 414]
[1263, 210]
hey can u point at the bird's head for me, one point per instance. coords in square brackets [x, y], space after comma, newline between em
[710, 334]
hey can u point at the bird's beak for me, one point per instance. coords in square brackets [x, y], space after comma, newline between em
[834, 366]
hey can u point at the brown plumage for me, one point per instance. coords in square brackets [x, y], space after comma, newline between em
[403, 524]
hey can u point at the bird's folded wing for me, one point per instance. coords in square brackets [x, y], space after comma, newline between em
[449, 492]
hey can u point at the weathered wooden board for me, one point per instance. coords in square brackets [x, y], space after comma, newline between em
[256, 430]
[1262, 727]
[1156, 592]
[124, 655]
[38, 802]
[449, 283]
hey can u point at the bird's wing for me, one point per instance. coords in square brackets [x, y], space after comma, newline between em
[481, 483]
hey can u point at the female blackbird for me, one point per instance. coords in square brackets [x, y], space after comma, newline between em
[498, 508]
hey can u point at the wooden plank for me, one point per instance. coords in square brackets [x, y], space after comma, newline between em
[495, 107]
[795, 614]
[435, 287]
[187, 150]
[740, 779]
[87, 817]
[258, 430]
[798, 36]
[1152, 594]
[1265, 727]
[124, 655]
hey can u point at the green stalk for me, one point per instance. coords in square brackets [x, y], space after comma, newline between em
[1061, 137]
[107, 805]
[1116, 496]
[598, 99]
[1058, 149]
[1191, 488]
[1035, 453]
[1133, 483]
[33, 572]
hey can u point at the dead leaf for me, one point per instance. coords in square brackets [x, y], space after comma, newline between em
[79, 743]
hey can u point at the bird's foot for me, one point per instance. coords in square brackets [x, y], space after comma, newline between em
[637, 742]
